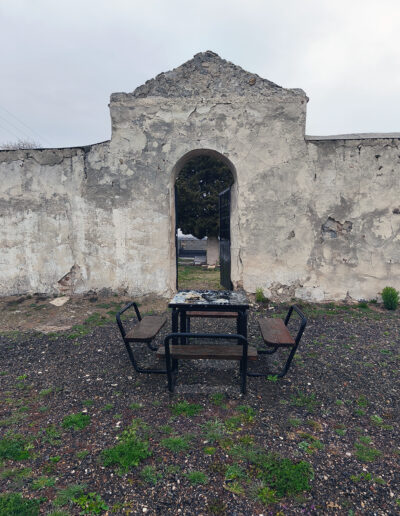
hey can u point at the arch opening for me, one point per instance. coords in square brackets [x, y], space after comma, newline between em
[204, 187]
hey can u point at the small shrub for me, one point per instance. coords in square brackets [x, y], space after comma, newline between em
[12, 504]
[217, 399]
[213, 430]
[390, 298]
[266, 495]
[76, 421]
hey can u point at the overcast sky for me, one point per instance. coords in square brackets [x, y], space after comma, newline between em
[61, 59]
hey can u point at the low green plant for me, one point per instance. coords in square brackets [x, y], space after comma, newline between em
[266, 495]
[67, 495]
[294, 421]
[235, 487]
[210, 450]
[213, 430]
[390, 298]
[376, 420]
[135, 406]
[165, 429]
[310, 443]
[186, 409]
[260, 298]
[197, 477]
[107, 407]
[131, 449]
[15, 448]
[304, 400]
[150, 475]
[13, 504]
[82, 454]
[176, 444]
[362, 401]
[234, 472]
[16, 474]
[247, 413]
[88, 403]
[52, 435]
[76, 421]
[272, 378]
[126, 454]
[45, 392]
[364, 451]
[43, 482]
[91, 503]
[217, 399]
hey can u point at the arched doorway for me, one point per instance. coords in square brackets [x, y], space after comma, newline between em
[205, 184]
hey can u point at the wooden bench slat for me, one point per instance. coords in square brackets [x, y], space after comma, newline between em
[215, 315]
[146, 329]
[218, 352]
[275, 333]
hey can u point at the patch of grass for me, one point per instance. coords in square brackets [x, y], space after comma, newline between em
[45, 392]
[265, 494]
[210, 450]
[176, 444]
[367, 477]
[364, 451]
[88, 403]
[304, 400]
[150, 475]
[294, 421]
[362, 401]
[129, 452]
[193, 277]
[310, 443]
[15, 448]
[107, 407]
[186, 409]
[376, 420]
[197, 477]
[43, 482]
[13, 504]
[82, 454]
[76, 421]
[214, 430]
[16, 473]
[52, 435]
[165, 429]
[247, 413]
[91, 503]
[135, 406]
[272, 378]
[67, 495]
[234, 472]
[218, 399]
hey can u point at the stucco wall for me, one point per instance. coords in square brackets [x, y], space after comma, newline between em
[310, 218]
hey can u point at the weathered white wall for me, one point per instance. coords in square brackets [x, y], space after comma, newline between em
[311, 218]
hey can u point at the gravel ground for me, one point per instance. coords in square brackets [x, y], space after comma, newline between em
[337, 410]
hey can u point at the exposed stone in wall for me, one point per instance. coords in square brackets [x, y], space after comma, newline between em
[333, 228]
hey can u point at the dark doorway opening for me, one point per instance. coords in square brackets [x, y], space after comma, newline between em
[201, 213]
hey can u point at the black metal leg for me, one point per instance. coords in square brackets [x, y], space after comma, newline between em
[140, 369]
[183, 325]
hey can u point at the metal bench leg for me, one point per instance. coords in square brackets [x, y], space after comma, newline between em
[140, 369]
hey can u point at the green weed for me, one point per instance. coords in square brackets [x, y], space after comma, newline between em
[176, 444]
[67, 495]
[14, 448]
[197, 477]
[76, 421]
[13, 504]
[186, 409]
[91, 503]
[150, 475]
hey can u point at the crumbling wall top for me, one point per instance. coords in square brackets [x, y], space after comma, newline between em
[208, 75]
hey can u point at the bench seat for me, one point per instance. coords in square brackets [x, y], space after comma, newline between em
[275, 333]
[146, 329]
[213, 315]
[217, 352]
